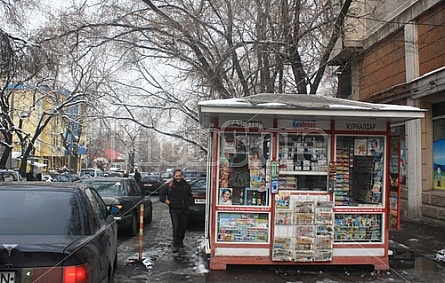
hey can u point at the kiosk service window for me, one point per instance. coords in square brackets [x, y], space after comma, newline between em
[303, 162]
[356, 177]
[243, 174]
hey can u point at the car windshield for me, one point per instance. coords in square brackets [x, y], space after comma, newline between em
[109, 188]
[198, 184]
[39, 213]
[194, 174]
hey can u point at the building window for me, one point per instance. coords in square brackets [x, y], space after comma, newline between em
[439, 146]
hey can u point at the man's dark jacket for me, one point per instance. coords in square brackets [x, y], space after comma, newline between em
[179, 194]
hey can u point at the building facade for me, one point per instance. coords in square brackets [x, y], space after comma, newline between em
[397, 56]
[32, 108]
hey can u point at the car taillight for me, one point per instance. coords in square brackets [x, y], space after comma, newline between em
[65, 274]
[75, 274]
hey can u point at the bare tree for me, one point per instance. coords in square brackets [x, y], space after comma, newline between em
[17, 57]
[177, 53]
[239, 48]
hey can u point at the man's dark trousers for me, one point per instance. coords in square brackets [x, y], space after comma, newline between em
[179, 222]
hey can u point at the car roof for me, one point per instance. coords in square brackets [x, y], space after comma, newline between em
[194, 170]
[115, 179]
[68, 186]
[151, 176]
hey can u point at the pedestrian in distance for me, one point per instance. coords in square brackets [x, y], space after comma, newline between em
[137, 175]
[177, 194]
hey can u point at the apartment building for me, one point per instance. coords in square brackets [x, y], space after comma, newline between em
[393, 52]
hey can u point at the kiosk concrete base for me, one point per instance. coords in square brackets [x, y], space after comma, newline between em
[221, 262]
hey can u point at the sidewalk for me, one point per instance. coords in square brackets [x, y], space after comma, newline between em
[415, 239]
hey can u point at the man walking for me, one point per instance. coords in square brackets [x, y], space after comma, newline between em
[177, 194]
[137, 176]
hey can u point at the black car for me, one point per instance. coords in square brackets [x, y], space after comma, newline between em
[55, 232]
[190, 175]
[150, 183]
[124, 197]
[197, 209]
[165, 177]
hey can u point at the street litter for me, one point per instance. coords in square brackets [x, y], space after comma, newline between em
[440, 255]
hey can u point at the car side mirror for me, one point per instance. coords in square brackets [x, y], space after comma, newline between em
[113, 209]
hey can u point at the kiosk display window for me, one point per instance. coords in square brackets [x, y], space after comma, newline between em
[242, 169]
[243, 227]
[303, 228]
[358, 228]
[303, 162]
[356, 177]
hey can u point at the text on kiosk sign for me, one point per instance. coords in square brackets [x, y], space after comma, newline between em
[304, 124]
[361, 126]
[244, 124]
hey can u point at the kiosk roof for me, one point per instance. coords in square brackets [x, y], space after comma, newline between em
[302, 106]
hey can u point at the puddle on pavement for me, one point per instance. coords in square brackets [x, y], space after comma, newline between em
[421, 265]
[425, 265]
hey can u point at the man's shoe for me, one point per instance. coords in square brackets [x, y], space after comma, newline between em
[174, 249]
[181, 244]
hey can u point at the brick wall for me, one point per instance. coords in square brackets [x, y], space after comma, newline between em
[382, 66]
[433, 210]
[431, 32]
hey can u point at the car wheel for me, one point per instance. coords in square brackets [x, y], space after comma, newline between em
[133, 229]
[112, 270]
[150, 216]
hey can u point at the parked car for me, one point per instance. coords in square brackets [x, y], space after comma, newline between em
[55, 232]
[166, 176]
[90, 173]
[66, 177]
[124, 197]
[197, 209]
[150, 183]
[9, 175]
[190, 175]
[115, 174]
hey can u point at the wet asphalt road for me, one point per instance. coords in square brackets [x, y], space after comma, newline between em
[159, 264]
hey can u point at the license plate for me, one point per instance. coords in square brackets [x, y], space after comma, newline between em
[7, 277]
[147, 185]
[200, 200]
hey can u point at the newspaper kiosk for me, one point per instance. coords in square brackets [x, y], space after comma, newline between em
[298, 179]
